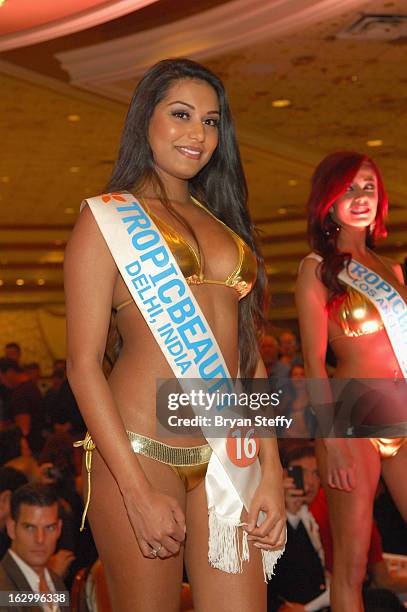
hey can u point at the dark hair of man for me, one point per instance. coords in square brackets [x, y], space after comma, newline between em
[11, 479]
[13, 345]
[32, 495]
[220, 185]
[297, 453]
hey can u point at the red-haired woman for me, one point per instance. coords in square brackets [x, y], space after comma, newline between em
[340, 287]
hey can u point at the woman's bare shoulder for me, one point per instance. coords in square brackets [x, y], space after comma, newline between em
[86, 241]
[310, 262]
[309, 286]
[85, 224]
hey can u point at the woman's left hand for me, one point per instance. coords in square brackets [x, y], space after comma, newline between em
[268, 498]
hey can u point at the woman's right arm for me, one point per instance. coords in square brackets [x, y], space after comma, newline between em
[90, 276]
[311, 298]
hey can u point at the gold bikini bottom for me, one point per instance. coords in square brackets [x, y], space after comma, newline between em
[386, 446]
[188, 462]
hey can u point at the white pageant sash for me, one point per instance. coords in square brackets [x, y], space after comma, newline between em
[387, 300]
[177, 323]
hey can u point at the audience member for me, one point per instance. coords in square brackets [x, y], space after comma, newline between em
[34, 527]
[269, 353]
[59, 453]
[9, 379]
[12, 350]
[300, 582]
[282, 355]
[288, 351]
[33, 371]
[27, 409]
[295, 404]
[50, 400]
[66, 416]
[70, 540]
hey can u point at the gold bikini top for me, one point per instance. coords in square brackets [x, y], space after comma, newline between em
[241, 278]
[357, 316]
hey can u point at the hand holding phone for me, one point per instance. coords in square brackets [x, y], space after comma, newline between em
[294, 489]
[296, 473]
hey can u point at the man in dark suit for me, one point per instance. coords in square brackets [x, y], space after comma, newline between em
[34, 527]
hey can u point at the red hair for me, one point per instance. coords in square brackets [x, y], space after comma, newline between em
[330, 180]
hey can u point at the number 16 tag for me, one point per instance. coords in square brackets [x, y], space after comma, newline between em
[242, 446]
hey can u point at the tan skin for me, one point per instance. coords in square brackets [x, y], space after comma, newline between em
[350, 469]
[143, 502]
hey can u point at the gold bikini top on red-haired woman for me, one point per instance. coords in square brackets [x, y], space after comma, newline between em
[356, 315]
[241, 278]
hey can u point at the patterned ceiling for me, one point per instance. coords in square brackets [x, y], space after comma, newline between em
[58, 141]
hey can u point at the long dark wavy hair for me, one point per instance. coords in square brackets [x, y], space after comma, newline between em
[220, 185]
[329, 182]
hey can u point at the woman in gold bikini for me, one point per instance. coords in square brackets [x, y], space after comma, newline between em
[148, 509]
[347, 207]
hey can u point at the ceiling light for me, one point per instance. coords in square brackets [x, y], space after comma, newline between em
[281, 103]
[5, 179]
[40, 282]
[68, 211]
[73, 118]
[20, 282]
[282, 211]
[74, 169]
[374, 143]
[293, 182]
